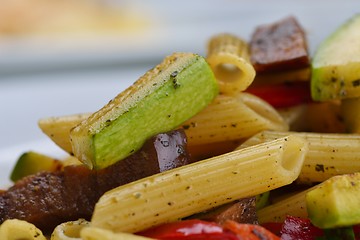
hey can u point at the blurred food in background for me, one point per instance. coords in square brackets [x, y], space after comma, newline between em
[65, 17]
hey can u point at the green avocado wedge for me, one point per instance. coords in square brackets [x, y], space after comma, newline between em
[335, 202]
[336, 64]
[167, 95]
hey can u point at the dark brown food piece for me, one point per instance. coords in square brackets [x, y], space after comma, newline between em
[241, 211]
[47, 199]
[279, 46]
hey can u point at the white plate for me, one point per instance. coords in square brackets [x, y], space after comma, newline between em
[186, 26]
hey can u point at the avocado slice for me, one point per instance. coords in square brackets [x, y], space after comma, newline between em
[335, 202]
[167, 95]
[32, 162]
[336, 64]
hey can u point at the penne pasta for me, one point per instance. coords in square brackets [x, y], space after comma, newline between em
[229, 58]
[294, 117]
[203, 151]
[350, 112]
[58, 128]
[294, 205]
[69, 230]
[328, 155]
[160, 198]
[15, 229]
[232, 118]
[92, 233]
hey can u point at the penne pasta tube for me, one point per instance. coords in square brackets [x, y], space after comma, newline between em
[69, 230]
[294, 116]
[232, 118]
[203, 151]
[229, 58]
[209, 183]
[14, 229]
[328, 155]
[294, 205]
[92, 233]
[58, 128]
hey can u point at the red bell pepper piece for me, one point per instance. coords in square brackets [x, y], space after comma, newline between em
[274, 227]
[356, 229]
[189, 229]
[201, 230]
[249, 231]
[283, 95]
[299, 229]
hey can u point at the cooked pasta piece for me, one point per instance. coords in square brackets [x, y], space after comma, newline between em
[69, 230]
[92, 233]
[203, 151]
[229, 58]
[294, 205]
[58, 128]
[14, 229]
[232, 118]
[329, 154]
[350, 112]
[212, 182]
[294, 116]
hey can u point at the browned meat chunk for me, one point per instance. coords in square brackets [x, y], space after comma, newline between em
[49, 198]
[242, 211]
[279, 46]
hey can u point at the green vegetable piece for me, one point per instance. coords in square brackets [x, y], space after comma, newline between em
[31, 163]
[336, 64]
[262, 200]
[167, 95]
[345, 233]
[335, 202]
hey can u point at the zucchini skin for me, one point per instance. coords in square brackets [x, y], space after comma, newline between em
[166, 96]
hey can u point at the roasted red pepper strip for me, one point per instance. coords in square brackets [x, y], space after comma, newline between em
[274, 227]
[283, 95]
[357, 232]
[189, 229]
[249, 231]
[300, 229]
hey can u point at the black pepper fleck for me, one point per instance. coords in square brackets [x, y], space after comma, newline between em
[356, 83]
[319, 168]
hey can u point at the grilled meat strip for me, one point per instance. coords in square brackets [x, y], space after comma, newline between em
[241, 211]
[279, 46]
[47, 199]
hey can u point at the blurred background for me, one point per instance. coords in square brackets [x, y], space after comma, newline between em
[60, 57]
